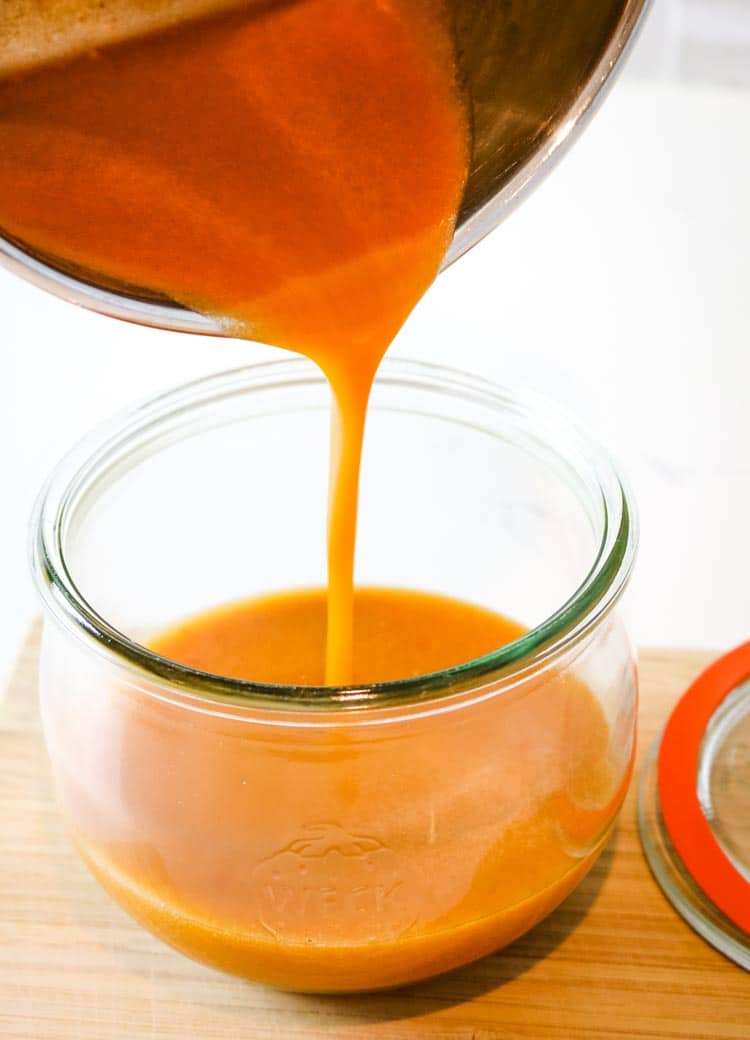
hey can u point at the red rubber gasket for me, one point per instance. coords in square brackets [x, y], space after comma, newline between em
[677, 778]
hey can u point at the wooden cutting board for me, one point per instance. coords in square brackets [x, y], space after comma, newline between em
[615, 961]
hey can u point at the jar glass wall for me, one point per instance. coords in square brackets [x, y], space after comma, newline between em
[351, 838]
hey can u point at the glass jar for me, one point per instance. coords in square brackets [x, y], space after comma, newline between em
[333, 839]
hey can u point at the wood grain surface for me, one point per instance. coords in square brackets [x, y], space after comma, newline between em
[614, 961]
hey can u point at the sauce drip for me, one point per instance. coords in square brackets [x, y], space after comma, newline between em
[293, 169]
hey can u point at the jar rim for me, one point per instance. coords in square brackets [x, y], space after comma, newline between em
[594, 597]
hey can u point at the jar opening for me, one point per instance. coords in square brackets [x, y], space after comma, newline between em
[102, 455]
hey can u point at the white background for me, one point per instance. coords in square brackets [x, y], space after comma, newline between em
[621, 288]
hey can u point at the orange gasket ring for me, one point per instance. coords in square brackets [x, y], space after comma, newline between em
[678, 789]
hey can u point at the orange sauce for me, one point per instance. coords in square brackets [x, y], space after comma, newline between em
[280, 638]
[347, 857]
[293, 168]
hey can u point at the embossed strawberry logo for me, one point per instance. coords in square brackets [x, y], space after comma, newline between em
[331, 886]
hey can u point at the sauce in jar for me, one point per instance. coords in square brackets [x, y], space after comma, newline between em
[251, 854]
